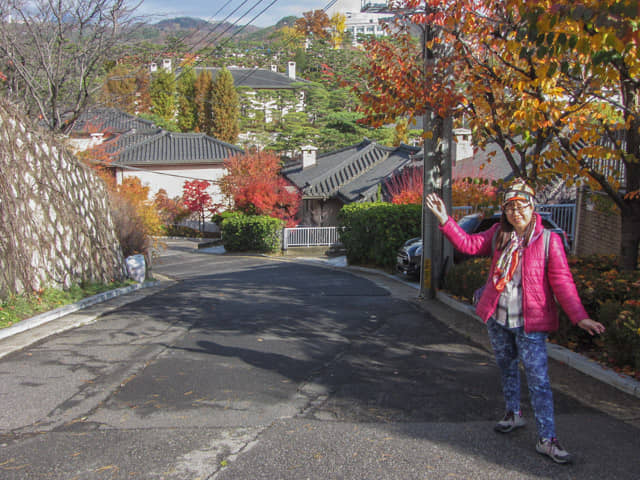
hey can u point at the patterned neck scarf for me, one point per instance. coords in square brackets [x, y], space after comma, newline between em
[507, 262]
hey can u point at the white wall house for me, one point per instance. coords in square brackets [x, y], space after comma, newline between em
[166, 160]
[260, 90]
[359, 23]
[160, 159]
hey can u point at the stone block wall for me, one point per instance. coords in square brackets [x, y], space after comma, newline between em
[56, 228]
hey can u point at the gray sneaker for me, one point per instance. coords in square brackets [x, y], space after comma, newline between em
[510, 422]
[551, 448]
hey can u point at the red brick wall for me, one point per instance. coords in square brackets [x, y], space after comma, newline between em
[598, 226]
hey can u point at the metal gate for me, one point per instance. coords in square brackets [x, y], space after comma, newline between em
[310, 236]
[564, 214]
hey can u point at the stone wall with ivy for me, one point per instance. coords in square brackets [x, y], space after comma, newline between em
[56, 226]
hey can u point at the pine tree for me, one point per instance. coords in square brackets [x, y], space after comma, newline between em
[225, 108]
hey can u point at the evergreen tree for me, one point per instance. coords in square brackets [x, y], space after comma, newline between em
[162, 91]
[187, 114]
[225, 108]
[295, 132]
[202, 96]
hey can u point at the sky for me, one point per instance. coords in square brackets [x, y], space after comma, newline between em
[218, 10]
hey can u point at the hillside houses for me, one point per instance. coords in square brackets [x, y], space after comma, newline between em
[353, 174]
[160, 159]
[268, 92]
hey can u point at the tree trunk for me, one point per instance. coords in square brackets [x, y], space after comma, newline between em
[630, 235]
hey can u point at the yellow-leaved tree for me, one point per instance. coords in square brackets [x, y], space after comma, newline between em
[553, 84]
[590, 50]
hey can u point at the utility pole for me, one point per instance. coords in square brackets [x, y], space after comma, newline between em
[438, 138]
[437, 254]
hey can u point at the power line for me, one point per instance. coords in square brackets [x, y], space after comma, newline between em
[215, 40]
[230, 26]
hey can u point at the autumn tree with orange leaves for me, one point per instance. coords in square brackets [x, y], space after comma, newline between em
[314, 23]
[255, 187]
[589, 52]
[555, 85]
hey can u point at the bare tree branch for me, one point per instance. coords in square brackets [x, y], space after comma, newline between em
[55, 51]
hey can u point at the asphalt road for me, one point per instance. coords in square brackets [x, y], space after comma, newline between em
[247, 367]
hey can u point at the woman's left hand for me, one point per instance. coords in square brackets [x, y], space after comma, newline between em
[591, 326]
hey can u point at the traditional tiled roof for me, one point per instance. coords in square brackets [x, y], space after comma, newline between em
[109, 120]
[159, 147]
[351, 174]
[489, 163]
[256, 78]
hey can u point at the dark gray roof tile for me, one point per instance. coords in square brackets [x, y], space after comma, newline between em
[256, 78]
[109, 120]
[159, 147]
[352, 173]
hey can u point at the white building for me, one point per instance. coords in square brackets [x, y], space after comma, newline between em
[358, 23]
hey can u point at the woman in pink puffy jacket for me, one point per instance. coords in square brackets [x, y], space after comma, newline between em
[518, 304]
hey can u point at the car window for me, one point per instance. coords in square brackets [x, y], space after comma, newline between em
[486, 223]
[468, 222]
[547, 224]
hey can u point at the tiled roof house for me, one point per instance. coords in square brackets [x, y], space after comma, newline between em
[352, 174]
[165, 160]
[160, 159]
[491, 163]
[257, 78]
[99, 124]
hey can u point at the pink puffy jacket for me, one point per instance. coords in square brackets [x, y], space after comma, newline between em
[539, 306]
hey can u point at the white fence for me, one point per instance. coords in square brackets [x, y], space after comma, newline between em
[310, 236]
[562, 213]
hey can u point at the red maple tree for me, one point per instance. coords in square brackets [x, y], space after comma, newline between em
[254, 184]
[196, 199]
[406, 186]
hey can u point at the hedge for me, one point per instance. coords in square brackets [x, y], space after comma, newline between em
[255, 233]
[374, 232]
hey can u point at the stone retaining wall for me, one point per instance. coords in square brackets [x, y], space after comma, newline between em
[56, 228]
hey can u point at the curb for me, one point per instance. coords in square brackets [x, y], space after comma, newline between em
[46, 317]
[562, 354]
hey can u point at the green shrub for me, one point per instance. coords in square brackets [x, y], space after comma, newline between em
[628, 326]
[255, 233]
[374, 232]
[218, 218]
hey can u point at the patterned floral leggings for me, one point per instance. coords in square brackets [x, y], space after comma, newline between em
[511, 345]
